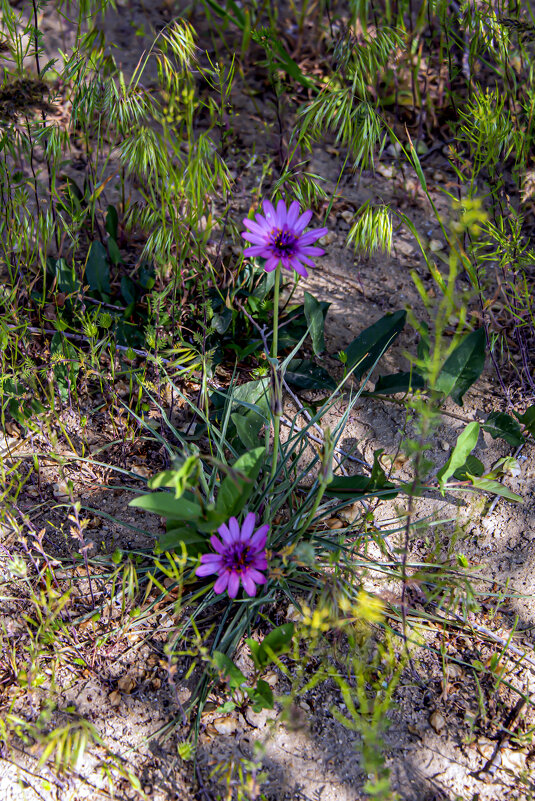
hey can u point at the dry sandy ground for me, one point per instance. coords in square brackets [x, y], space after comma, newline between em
[427, 746]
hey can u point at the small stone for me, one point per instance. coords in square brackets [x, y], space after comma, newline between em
[444, 444]
[114, 698]
[485, 747]
[61, 492]
[272, 678]
[293, 614]
[385, 171]
[226, 725]
[351, 513]
[333, 523]
[347, 216]
[513, 760]
[12, 429]
[259, 719]
[453, 672]
[437, 721]
[126, 684]
[141, 471]
[327, 238]
[435, 245]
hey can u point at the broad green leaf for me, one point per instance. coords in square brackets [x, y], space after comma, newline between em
[175, 535]
[378, 477]
[502, 425]
[236, 488]
[248, 427]
[166, 505]
[472, 465]
[488, 485]
[528, 419]
[226, 666]
[398, 382]
[347, 487]
[112, 222]
[97, 271]
[113, 251]
[128, 290]
[367, 348]
[305, 374]
[277, 642]
[466, 442]
[66, 279]
[262, 696]
[222, 321]
[463, 366]
[316, 322]
[251, 391]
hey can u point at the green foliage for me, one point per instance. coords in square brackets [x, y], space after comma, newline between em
[466, 442]
[463, 366]
[362, 354]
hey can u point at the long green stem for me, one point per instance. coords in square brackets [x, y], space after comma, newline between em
[275, 342]
[310, 517]
[274, 348]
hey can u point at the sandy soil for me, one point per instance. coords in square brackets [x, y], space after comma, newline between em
[430, 747]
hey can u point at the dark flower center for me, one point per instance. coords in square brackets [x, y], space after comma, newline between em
[239, 557]
[283, 242]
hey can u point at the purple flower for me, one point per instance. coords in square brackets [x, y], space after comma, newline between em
[240, 557]
[278, 236]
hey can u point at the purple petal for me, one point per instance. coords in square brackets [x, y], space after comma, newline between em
[248, 527]
[301, 257]
[259, 228]
[207, 570]
[263, 223]
[233, 584]
[270, 213]
[312, 236]
[216, 544]
[302, 222]
[234, 527]
[293, 214]
[225, 534]
[301, 270]
[281, 213]
[259, 562]
[248, 584]
[271, 264]
[222, 583]
[310, 251]
[257, 250]
[255, 239]
[258, 540]
[287, 262]
[257, 577]
[211, 557]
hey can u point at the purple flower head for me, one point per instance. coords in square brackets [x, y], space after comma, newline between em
[240, 556]
[278, 236]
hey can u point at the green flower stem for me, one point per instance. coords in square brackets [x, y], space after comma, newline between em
[275, 342]
[274, 348]
[310, 517]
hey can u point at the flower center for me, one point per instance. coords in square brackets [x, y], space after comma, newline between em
[282, 242]
[239, 558]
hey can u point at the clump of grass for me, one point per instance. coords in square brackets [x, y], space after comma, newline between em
[132, 273]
